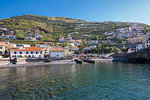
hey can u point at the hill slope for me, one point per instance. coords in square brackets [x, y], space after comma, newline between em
[51, 28]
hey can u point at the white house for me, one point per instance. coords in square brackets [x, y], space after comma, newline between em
[33, 52]
[2, 48]
[9, 36]
[30, 38]
[147, 44]
[57, 52]
[110, 37]
[140, 46]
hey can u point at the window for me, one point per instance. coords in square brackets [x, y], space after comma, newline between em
[32, 55]
[29, 56]
[41, 52]
[31, 52]
[20, 55]
[40, 56]
[36, 52]
[0, 47]
[20, 52]
[27, 52]
[25, 55]
[15, 52]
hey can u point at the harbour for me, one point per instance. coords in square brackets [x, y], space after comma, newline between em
[76, 81]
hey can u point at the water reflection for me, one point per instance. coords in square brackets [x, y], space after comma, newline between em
[86, 81]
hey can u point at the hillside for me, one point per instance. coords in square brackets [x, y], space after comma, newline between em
[51, 28]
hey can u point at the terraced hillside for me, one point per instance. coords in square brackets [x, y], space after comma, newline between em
[51, 28]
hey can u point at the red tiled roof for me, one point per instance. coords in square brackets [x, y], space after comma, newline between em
[8, 35]
[1, 44]
[140, 44]
[28, 49]
[57, 49]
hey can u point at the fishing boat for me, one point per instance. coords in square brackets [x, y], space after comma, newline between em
[78, 61]
[47, 60]
[88, 60]
[13, 61]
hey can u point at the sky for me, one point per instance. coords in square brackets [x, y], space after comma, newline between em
[89, 10]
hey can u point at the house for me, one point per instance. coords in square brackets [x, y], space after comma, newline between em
[84, 35]
[78, 41]
[28, 52]
[110, 37]
[44, 46]
[38, 36]
[139, 28]
[134, 40]
[147, 44]
[46, 51]
[2, 49]
[146, 37]
[9, 36]
[3, 29]
[57, 52]
[30, 38]
[75, 48]
[140, 46]
[108, 34]
[62, 39]
[49, 43]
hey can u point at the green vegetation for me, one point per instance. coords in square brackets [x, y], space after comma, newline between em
[23, 42]
[20, 34]
[51, 28]
[124, 50]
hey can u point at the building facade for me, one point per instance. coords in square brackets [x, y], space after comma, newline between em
[2, 49]
[28, 52]
[57, 52]
[147, 44]
[140, 46]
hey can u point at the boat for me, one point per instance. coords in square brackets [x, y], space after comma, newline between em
[47, 60]
[13, 61]
[88, 60]
[78, 61]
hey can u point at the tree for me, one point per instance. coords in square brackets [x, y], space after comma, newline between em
[6, 53]
[56, 44]
[20, 34]
[116, 50]
[64, 44]
[3, 39]
[71, 46]
[124, 50]
[81, 47]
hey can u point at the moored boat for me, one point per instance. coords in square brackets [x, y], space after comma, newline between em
[88, 60]
[78, 61]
